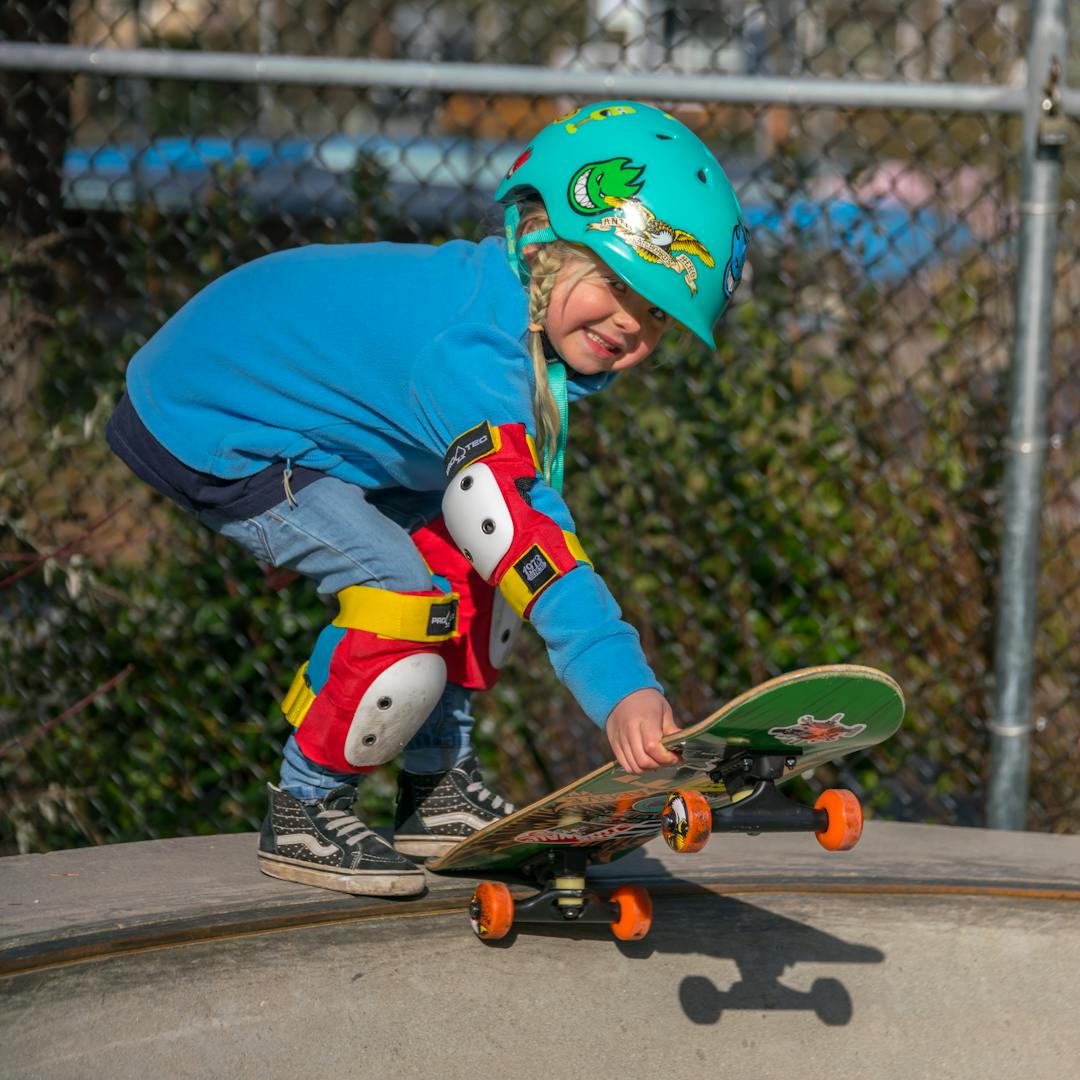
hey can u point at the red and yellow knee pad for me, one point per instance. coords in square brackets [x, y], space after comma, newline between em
[491, 519]
[386, 675]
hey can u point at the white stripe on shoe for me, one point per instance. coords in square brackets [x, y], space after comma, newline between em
[457, 817]
[306, 840]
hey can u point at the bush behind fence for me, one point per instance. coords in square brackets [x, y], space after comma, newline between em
[825, 488]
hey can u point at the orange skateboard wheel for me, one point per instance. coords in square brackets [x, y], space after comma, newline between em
[491, 911]
[845, 819]
[635, 912]
[686, 821]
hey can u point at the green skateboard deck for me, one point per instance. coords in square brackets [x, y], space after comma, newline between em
[782, 728]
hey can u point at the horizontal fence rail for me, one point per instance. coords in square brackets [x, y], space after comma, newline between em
[502, 79]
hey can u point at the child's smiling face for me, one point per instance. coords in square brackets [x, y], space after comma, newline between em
[597, 323]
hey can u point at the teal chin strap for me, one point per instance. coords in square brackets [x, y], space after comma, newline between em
[553, 460]
[515, 245]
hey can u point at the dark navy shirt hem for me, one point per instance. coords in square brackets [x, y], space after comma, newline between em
[194, 491]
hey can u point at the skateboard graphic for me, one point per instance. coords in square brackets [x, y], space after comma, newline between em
[726, 781]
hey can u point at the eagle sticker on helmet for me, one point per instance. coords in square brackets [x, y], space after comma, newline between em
[655, 240]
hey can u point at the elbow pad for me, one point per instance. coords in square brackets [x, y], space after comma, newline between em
[489, 514]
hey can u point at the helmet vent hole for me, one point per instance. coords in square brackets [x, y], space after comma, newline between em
[701, 175]
[659, 135]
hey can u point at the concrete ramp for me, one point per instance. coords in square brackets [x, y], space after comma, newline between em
[924, 952]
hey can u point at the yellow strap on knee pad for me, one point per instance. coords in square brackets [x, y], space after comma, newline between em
[388, 614]
[299, 698]
[398, 615]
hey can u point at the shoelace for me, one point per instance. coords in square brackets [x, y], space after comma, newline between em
[483, 795]
[346, 827]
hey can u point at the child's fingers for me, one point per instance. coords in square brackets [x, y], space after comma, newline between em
[621, 749]
[670, 725]
[636, 730]
[634, 758]
[623, 758]
[660, 753]
[650, 752]
[657, 754]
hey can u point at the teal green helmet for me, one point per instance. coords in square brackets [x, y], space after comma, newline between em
[645, 194]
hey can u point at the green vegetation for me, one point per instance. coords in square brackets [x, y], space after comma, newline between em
[823, 489]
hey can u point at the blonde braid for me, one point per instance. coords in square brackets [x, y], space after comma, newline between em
[545, 270]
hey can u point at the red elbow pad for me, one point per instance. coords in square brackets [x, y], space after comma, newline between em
[490, 516]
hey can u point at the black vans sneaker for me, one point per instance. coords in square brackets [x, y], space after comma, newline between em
[435, 811]
[324, 844]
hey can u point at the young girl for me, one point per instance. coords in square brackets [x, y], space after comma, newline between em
[390, 421]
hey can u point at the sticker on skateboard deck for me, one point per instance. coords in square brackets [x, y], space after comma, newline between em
[810, 732]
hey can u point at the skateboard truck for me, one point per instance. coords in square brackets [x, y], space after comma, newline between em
[764, 808]
[758, 807]
[563, 898]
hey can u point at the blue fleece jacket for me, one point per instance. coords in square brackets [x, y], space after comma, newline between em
[365, 361]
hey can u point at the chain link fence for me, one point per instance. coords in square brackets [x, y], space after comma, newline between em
[826, 488]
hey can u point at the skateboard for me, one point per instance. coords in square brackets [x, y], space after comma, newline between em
[726, 780]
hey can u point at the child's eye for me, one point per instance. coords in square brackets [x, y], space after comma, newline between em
[616, 283]
[659, 314]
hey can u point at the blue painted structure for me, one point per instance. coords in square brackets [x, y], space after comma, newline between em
[437, 181]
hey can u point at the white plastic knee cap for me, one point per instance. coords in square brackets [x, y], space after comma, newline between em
[393, 708]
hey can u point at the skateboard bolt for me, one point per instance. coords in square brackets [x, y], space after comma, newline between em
[369, 740]
[385, 703]
[466, 483]
[488, 526]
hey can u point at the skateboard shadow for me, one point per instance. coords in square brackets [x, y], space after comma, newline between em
[762, 945]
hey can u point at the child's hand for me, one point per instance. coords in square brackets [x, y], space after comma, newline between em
[636, 726]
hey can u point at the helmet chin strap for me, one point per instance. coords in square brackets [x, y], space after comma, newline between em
[515, 245]
[553, 459]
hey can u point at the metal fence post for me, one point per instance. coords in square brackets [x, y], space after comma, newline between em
[1044, 134]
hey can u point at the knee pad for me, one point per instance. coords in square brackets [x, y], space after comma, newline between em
[489, 514]
[374, 677]
[487, 625]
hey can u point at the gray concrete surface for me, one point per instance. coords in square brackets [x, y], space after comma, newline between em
[923, 952]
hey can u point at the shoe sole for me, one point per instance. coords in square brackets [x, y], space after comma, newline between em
[425, 847]
[357, 882]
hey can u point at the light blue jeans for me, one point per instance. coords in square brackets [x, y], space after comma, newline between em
[339, 535]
